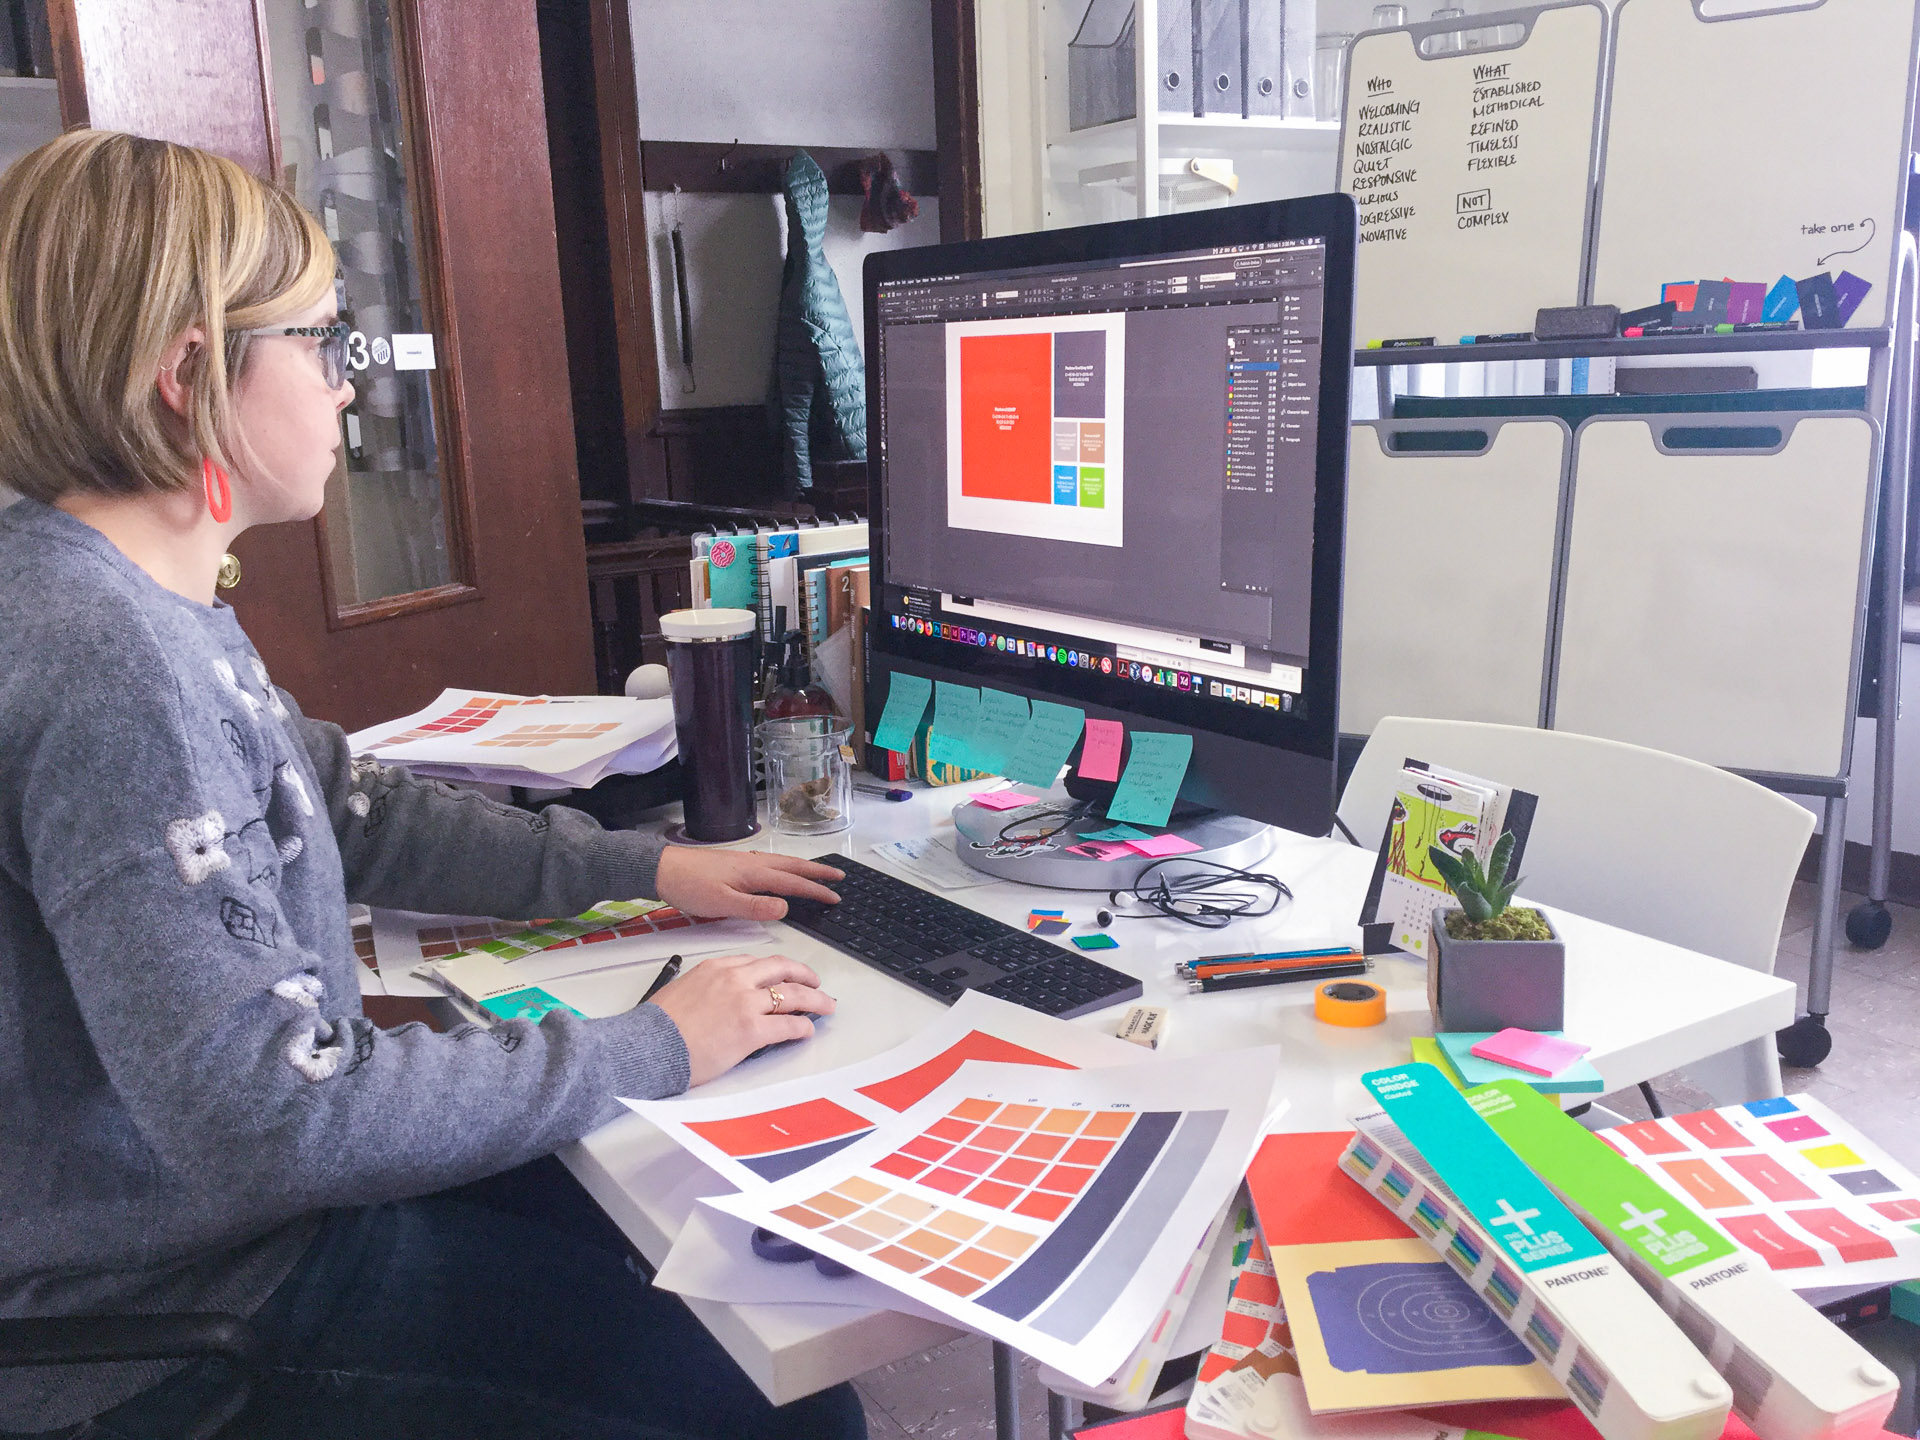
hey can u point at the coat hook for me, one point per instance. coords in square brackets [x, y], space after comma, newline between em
[725, 156]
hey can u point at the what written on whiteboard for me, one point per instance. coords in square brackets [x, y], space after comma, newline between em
[1471, 174]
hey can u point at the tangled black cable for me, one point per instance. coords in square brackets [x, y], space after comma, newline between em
[1197, 897]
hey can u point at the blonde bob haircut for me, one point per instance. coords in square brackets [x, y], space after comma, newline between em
[110, 247]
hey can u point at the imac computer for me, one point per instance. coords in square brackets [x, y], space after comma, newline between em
[1108, 469]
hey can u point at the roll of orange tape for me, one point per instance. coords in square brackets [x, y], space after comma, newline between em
[1350, 1002]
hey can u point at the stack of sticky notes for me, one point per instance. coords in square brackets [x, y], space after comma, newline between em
[1543, 1059]
[1047, 922]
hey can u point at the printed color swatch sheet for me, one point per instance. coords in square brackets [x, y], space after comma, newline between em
[770, 1133]
[1050, 1209]
[1791, 1181]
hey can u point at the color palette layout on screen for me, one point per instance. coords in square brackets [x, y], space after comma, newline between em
[478, 710]
[512, 939]
[525, 736]
[1784, 1178]
[780, 1142]
[1061, 1206]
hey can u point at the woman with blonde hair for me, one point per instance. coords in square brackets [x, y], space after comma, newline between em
[194, 1113]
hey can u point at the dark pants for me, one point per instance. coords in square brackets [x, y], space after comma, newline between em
[507, 1308]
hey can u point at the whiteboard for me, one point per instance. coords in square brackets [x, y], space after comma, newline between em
[1754, 146]
[1449, 576]
[1472, 173]
[1712, 600]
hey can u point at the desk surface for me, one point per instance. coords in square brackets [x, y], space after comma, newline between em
[1644, 1006]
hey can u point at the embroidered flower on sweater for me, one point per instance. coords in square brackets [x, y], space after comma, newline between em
[358, 803]
[286, 775]
[302, 988]
[314, 1055]
[232, 682]
[274, 704]
[197, 846]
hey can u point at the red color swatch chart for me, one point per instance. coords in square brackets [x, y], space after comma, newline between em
[768, 1134]
[1050, 1208]
[1789, 1180]
[462, 719]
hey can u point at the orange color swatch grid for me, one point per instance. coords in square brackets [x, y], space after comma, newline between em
[537, 735]
[957, 1252]
[1026, 1159]
[471, 716]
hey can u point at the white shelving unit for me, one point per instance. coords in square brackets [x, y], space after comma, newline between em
[1094, 174]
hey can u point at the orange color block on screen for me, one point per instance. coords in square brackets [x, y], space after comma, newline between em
[1006, 417]
[902, 1092]
[789, 1128]
[1705, 1184]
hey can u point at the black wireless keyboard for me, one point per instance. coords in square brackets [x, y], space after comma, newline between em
[942, 949]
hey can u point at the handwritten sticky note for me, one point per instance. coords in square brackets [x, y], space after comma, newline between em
[1101, 850]
[1114, 832]
[1158, 847]
[1152, 782]
[907, 697]
[1100, 754]
[1004, 800]
[1043, 749]
[956, 715]
[1003, 721]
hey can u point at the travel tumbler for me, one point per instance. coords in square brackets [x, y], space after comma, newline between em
[710, 662]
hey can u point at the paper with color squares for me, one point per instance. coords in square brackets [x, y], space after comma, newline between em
[762, 1135]
[907, 697]
[1815, 1199]
[1152, 780]
[1050, 1209]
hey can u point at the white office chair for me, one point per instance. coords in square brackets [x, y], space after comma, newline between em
[1647, 841]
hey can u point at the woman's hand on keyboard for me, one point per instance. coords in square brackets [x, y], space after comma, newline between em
[732, 1005]
[747, 883]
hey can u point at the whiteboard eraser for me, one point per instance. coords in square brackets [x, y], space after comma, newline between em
[1143, 1025]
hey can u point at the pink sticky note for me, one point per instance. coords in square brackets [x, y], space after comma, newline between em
[1159, 846]
[1525, 1050]
[1100, 754]
[1003, 800]
[1100, 850]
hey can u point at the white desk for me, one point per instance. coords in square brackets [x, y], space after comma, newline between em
[1645, 1007]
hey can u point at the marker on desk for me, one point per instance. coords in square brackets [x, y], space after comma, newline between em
[1748, 326]
[1206, 986]
[1331, 948]
[1516, 335]
[667, 972]
[1271, 967]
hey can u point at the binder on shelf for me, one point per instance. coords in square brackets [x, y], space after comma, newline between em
[1179, 32]
[1279, 58]
[1221, 65]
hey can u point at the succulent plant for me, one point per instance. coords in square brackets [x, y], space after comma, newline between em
[1483, 894]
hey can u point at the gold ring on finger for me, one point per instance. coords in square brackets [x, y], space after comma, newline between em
[777, 998]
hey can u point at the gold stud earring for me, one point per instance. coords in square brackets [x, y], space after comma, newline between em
[229, 573]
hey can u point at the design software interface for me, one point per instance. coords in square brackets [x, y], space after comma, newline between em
[1110, 464]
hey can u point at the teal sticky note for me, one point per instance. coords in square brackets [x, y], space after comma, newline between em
[1116, 833]
[907, 697]
[1152, 780]
[1003, 722]
[956, 716]
[1049, 739]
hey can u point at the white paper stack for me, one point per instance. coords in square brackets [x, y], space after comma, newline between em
[541, 741]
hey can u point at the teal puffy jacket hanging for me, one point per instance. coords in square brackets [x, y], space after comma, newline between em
[819, 378]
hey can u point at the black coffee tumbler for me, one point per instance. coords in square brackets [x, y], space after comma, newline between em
[710, 661]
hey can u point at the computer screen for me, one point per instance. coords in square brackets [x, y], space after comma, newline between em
[1100, 463]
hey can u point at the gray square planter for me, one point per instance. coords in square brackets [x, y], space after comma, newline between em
[1491, 984]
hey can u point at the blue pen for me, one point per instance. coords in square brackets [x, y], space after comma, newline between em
[1188, 966]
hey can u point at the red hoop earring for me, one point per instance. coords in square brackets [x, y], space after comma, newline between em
[219, 495]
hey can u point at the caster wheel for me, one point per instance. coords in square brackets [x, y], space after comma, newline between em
[1869, 924]
[1804, 1043]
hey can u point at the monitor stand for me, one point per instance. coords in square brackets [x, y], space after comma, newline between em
[1223, 840]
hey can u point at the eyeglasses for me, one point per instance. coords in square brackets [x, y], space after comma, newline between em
[332, 349]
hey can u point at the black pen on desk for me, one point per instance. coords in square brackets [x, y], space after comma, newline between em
[667, 972]
[1284, 977]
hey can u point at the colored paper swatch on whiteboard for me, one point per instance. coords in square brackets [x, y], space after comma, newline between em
[1790, 1180]
[1053, 1210]
[764, 1135]
[1100, 751]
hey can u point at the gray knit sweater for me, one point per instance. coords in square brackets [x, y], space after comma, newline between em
[186, 1078]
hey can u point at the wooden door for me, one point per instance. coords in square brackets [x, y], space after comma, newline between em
[450, 551]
